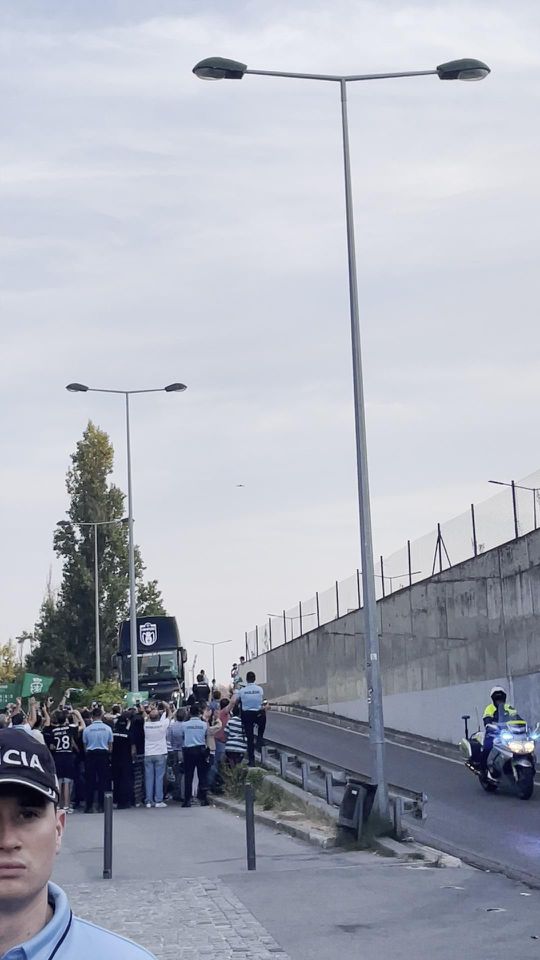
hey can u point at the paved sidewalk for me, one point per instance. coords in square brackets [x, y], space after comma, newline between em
[188, 919]
[181, 889]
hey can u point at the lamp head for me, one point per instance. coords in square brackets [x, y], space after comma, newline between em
[463, 70]
[218, 68]
[175, 388]
[77, 388]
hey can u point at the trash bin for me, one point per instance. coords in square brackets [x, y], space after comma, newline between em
[356, 805]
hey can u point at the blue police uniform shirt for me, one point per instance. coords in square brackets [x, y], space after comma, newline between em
[97, 736]
[194, 732]
[251, 697]
[175, 735]
[67, 937]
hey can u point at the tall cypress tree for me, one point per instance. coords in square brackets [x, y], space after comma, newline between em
[66, 628]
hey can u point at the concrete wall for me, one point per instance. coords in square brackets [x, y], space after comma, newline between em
[444, 643]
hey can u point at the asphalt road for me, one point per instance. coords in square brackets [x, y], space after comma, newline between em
[495, 831]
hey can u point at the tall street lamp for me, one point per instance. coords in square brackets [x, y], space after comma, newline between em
[218, 68]
[171, 388]
[95, 524]
[209, 643]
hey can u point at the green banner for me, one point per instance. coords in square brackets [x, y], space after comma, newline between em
[132, 699]
[33, 685]
[8, 693]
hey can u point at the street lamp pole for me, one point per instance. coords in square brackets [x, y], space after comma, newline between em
[131, 561]
[170, 388]
[371, 633]
[217, 68]
[96, 607]
[95, 524]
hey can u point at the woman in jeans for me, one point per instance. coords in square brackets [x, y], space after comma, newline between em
[155, 754]
[214, 726]
[215, 780]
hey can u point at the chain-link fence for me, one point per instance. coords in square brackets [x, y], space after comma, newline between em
[510, 513]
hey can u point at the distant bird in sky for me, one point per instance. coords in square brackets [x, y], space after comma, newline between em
[240, 484]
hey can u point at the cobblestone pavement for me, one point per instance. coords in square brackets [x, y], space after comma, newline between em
[188, 919]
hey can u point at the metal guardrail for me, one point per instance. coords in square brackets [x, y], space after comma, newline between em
[328, 780]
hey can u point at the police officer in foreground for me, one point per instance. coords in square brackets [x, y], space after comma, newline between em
[35, 917]
[251, 699]
[194, 736]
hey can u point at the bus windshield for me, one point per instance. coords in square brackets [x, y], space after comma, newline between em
[157, 665]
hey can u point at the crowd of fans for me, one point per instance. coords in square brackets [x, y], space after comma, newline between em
[148, 753]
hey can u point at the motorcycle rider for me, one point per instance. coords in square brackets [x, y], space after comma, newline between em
[498, 711]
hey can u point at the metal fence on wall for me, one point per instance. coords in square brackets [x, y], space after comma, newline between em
[509, 514]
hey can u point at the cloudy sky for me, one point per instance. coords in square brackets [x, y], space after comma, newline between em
[156, 228]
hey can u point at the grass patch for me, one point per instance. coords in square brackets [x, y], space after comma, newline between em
[235, 779]
[269, 795]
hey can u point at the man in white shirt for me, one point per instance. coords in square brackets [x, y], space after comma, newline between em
[155, 755]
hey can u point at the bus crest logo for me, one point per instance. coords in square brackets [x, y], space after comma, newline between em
[148, 634]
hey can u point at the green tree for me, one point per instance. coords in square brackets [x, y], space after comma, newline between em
[65, 631]
[8, 662]
[51, 655]
[150, 600]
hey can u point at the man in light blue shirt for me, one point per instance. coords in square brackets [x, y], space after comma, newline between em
[98, 744]
[36, 922]
[195, 754]
[251, 700]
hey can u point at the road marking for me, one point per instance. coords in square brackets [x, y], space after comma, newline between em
[358, 733]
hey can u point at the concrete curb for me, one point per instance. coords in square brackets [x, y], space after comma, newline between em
[300, 831]
[417, 852]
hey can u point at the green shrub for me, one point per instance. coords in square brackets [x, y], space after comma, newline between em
[106, 693]
[271, 797]
[235, 778]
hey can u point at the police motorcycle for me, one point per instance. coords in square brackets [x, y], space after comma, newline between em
[511, 760]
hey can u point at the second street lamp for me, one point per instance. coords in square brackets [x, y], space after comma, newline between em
[170, 388]
[95, 524]
[209, 643]
[219, 68]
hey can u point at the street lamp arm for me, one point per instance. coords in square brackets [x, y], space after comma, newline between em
[391, 76]
[220, 68]
[170, 388]
[127, 393]
[208, 643]
[296, 76]
[338, 79]
[94, 523]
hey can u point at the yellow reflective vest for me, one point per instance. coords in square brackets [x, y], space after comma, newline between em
[508, 713]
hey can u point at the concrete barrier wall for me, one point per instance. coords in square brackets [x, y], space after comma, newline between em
[444, 642]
